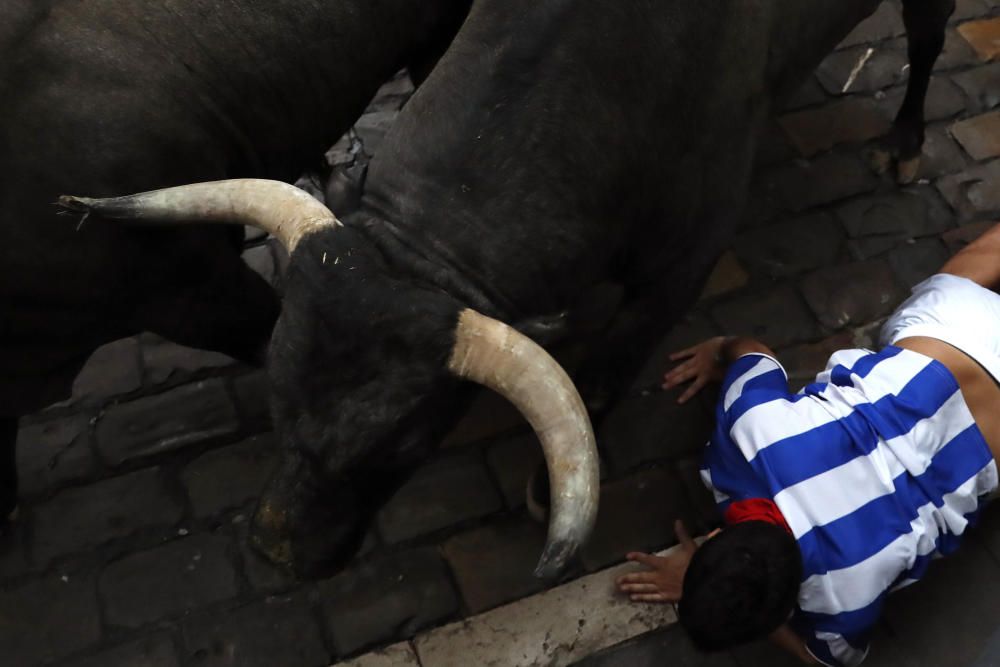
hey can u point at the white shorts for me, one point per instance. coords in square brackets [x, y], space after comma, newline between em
[955, 310]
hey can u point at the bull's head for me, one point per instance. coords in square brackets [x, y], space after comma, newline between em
[360, 362]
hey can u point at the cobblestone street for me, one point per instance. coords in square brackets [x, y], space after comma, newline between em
[130, 548]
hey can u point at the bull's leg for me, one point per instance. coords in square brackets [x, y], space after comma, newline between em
[925, 22]
[8, 469]
[233, 312]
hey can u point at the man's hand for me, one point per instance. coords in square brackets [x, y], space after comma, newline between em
[700, 364]
[665, 579]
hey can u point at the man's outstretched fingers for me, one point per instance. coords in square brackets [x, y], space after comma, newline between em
[650, 597]
[690, 392]
[644, 558]
[683, 354]
[637, 578]
[638, 588]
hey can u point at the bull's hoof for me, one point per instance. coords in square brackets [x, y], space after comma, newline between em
[880, 161]
[907, 170]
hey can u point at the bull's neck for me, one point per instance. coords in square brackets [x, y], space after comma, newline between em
[290, 78]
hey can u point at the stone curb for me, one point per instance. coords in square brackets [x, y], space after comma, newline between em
[550, 629]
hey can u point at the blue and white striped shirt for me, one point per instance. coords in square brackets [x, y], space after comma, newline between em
[877, 467]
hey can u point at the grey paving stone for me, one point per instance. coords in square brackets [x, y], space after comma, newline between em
[388, 598]
[803, 184]
[947, 617]
[163, 360]
[981, 86]
[956, 52]
[968, 9]
[882, 68]
[704, 515]
[792, 247]
[914, 261]
[153, 651]
[876, 223]
[636, 514]
[112, 370]
[668, 646]
[261, 259]
[694, 328]
[980, 135]
[169, 580]
[48, 618]
[975, 192]
[512, 461]
[941, 155]
[945, 99]
[253, 395]
[802, 362]
[641, 429]
[809, 94]
[495, 564]
[54, 452]
[371, 129]
[886, 22]
[181, 417]
[83, 517]
[489, 415]
[776, 316]
[956, 239]
[277, 632]
[852, 294]
[440, 494]
[229, 477]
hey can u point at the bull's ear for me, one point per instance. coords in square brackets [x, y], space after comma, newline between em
[495, 355]
[278, 208]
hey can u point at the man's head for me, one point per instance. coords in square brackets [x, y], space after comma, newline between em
[740, 585]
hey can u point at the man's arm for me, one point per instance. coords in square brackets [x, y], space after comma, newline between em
[786, 638]
[707, 362]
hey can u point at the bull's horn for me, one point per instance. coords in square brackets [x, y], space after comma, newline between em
[278, 208]
[493, 354]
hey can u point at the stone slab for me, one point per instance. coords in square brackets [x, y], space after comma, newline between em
[862, 69]
[668, 646]
[728, 275]
[980, 135]
[975, 192]
[777, 316]
[397, 655]
[643, 429]
[443, 493]
[884, 23]
[80, 518]
[275, 631]
[552, 629]
[957, 239]
[791, 247]
[983, 36]
[385, 599]
[112, 370]
[804, 184]
[48, 618]
[54, 452]
[636, 514]
[981, 86]
[167, 581]
[852, 294]
[156, 650]
[163, 360]
[512, 460]
[184, 416]
[914, 261]
[494, 564]
[226, 478]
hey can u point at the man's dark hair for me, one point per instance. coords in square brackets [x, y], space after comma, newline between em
[740, 585]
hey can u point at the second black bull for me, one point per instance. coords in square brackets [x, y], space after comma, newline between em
[554, 146]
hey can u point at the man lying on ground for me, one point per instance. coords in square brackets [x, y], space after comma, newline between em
[842, 493]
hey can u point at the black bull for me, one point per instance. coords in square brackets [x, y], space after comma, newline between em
[555, 144]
